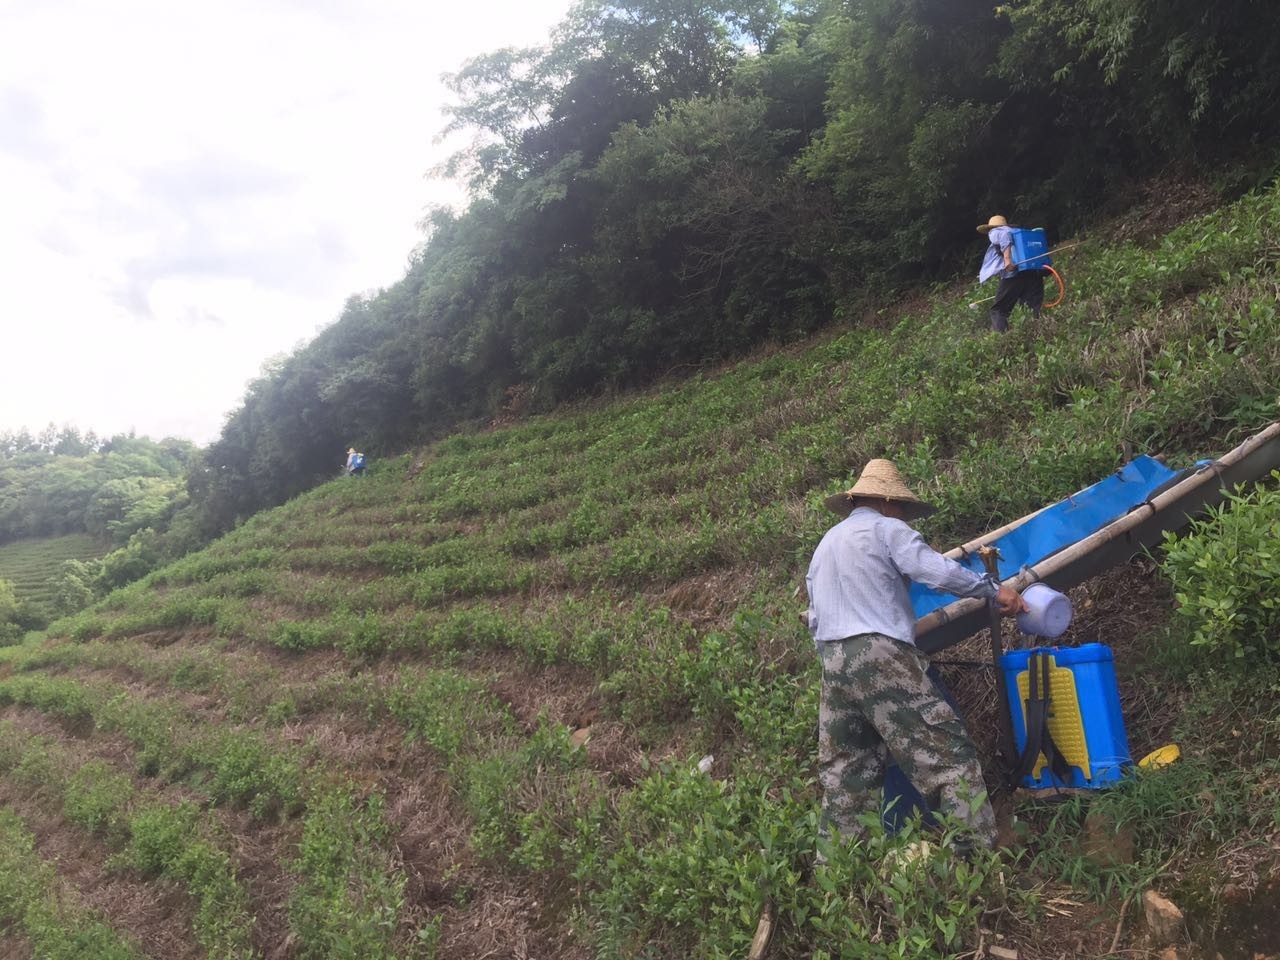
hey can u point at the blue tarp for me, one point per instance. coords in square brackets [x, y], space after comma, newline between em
[1062, 524]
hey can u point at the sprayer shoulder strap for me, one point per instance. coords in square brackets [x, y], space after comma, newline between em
[1039, 739]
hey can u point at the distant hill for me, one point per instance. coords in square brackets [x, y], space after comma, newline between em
[63, 481]
[461, 706]
[68, 495]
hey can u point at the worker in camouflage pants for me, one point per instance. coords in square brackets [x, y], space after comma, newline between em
[876, 701]
[876, 697]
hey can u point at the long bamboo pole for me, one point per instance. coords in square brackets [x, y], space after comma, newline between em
[1264, 447]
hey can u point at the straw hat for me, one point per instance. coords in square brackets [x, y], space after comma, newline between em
[880, 479]
[996, 221]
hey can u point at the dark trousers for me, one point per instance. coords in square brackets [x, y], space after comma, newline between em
[1026, 287]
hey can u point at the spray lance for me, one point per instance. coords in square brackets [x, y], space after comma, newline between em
[1062, 288]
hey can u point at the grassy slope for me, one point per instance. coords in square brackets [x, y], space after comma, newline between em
[31, 564]
[372, 689]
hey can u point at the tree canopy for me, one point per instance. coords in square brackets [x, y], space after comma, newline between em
[65, 481]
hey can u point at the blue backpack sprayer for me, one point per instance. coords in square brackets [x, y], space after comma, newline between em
[1031, 252]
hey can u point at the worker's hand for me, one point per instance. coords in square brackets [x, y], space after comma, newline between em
[1009, 602]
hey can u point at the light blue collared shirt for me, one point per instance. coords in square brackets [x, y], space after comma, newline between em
[993, 263]
[857, 580]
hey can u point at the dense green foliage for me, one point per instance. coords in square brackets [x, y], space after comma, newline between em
[668, 183]
[406, 656]
[1225, 571]
[64, 482]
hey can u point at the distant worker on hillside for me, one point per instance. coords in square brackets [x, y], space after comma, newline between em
[355, 463]
[876, 698]
[1018, 282]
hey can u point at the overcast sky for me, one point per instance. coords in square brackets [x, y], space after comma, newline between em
[187, 189]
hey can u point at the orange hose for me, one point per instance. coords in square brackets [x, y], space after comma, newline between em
[1062, 288]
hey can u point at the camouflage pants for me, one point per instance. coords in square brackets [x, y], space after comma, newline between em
[877, 700]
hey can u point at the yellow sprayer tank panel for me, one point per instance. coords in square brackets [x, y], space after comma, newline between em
[1066, 725]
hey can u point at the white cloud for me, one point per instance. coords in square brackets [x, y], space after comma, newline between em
[186, 190]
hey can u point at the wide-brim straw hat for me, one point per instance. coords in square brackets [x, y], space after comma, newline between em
[880, 480]
[996, 221]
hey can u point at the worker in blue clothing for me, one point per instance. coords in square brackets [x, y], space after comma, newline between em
[1016, 286]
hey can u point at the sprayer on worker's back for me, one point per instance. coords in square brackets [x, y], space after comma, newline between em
[1019, 256]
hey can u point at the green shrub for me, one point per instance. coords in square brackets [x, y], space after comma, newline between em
[134, 560]
[447, 710]
[64, 698]
[168, 841]
[349, 897]
[361, 636]
[300, 635]
[512, 793]
[1225, 573]
[248, 771]
[687, 862]
[74, 585]
[96, 798]
[160, 834]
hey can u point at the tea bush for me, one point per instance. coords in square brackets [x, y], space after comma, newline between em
[163, 840]
[96, 797]
[170, 841]
[689, 861]
[1225, 572]
[349, 897]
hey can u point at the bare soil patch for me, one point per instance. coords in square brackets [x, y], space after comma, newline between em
[163, 638]
[258, 666]
[503, 923]
[1155, 206]
[708, 600]
[563, 695]
[571, 697]
[1071, 927]
[15, 946]
[484, 913]
[261, 853]
[136, 686]
[109, 749]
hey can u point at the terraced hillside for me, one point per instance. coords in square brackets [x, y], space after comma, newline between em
[456, 708]
[31, 565]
